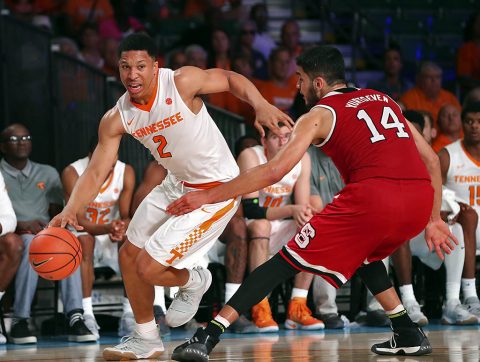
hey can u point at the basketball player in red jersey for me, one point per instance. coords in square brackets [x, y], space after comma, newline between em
[163, 110]
[388, 198]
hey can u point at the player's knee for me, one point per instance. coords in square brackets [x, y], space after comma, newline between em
[12, 245]
[261, 227]
[127, 254]
[238, 228]
[375, 277]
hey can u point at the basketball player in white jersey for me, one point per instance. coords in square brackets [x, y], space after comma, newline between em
[269, 211]
[460, 165]
[104, 221]
[163, 110]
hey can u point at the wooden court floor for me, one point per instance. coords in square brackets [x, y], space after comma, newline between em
[457, 344]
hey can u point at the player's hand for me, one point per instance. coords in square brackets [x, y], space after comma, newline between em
[301, 214]
[188, 202]
[439, 237]
[117, 230]
[66, 217]
[32, 226]
[269, 116]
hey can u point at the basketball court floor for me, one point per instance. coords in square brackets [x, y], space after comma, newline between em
[457, 344]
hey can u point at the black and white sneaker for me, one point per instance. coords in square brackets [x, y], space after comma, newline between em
[196, 348]
[78, 332]
[20, 333]
[405, 342]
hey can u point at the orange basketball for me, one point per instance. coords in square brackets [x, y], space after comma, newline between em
[55, 253]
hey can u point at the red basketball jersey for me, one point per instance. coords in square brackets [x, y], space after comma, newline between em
[369, 137]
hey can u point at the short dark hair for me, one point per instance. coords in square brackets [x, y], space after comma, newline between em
[323, 61]
[138, 41]
[268, 130]
[473, 107]
[238, 147]
[415, 117]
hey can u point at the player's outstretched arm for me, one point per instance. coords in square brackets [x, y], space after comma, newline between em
[437, 233]
[308, 129]
[192, 82]
[86, 188]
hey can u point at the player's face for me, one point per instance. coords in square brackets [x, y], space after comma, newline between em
[274, 143]
[137, 72]
[17, 144]
[305, 86]
[471, 127]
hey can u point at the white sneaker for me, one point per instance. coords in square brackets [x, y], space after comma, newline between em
[3, 340]
[473, 306]
[186, 301]
[415, 313]
[92, 325]
[456, 313]
[127, 325]
[134, 347]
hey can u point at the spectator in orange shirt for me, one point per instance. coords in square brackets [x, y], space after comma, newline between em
[468, 55]
[176, 59]
[449, 126]
[220, 53]
[428, 94]
[80, 12]
[196, 56]
[281, 89]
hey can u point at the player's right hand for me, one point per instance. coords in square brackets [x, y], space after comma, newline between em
[439, 237]
[269, 116]
[301, 214]
[66, 217]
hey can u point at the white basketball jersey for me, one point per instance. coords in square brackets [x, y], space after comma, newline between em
[104, 209]
[278, 194]
[463, 174]
[188, 145]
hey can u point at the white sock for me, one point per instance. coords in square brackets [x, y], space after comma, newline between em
[299, 293]
[1, 295]
[397, 309]
[469, 288]
[160, 297]
[230, 290]
[222, 320]
[87, 306]
[406, 292]
[452, 290]
[147, 330]
[127, 308]
[193, 279]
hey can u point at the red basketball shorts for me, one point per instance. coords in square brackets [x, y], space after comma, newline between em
[367, 221]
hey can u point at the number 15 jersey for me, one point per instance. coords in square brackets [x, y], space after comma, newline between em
[188, 145]
[370, 138]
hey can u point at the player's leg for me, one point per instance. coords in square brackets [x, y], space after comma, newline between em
[468, 218]
[409, 339]
[235, 236]
[259, 232]
[11, 248]
[255, 287]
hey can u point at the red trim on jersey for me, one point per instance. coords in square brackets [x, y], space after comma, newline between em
[147, 107]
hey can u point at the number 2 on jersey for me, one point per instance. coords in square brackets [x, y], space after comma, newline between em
[162, 143]
[389, 120]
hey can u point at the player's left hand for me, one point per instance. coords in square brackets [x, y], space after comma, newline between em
[439, 237]
[187, 203]
[269, 116]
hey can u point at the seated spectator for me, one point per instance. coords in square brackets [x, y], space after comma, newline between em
[81, 12]
[11, 246]
[110, 56]
[449, 127]
[290, 38]
[90, 46]
[196, 56]
[467, 64]
[220, 50]
[244, 47]
[263, 41]
[237, 12]
[281, 89]
[68, 46]
[36, 194]
[392, 83]
[268, 212]
[428, 94]
[176, 59]
[105, 222]
[471, 97]
[121, 24]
